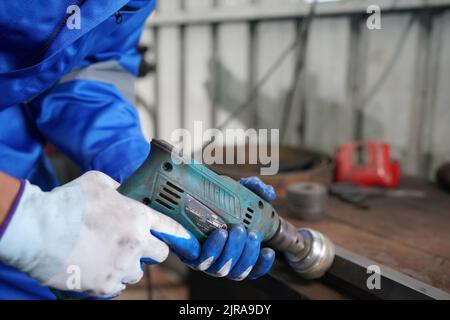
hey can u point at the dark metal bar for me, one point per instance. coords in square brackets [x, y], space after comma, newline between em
[303, 105]
[349, 275]
[356, 73]
[253, 70]
[426, 73]
[156, 84]
[351, 269]
[182, 76]
[435, 69]
[215, 73]
[214, 65]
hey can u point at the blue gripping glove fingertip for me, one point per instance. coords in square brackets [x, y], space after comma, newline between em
[263, 265]
[267, 192]
[188, 248]
[210, 251]
[231, 252]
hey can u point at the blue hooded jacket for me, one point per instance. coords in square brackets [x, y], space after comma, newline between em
[71, 87]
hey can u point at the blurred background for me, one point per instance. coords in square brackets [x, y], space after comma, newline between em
[318, 72]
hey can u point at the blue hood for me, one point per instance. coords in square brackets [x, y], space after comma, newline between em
[37, 49]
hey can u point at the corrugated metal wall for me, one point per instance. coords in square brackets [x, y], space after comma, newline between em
[391, 84]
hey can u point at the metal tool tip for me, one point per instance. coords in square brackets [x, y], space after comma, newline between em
[318, 258]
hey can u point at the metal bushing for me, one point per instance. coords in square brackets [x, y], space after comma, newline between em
[317, 258]
[307, 201]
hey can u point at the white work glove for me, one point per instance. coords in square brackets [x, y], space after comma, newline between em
[86, 237]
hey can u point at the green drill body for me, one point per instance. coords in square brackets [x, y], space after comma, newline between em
[196, 197]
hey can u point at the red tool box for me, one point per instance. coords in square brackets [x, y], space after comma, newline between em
[367, 163]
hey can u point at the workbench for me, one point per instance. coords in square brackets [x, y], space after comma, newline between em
[409, 236]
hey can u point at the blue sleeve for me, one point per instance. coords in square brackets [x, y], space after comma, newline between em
[89, 115]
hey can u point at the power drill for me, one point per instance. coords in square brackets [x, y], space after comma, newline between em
[203, 201]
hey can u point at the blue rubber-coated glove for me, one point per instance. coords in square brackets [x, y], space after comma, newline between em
[263, 190]
[236, 253]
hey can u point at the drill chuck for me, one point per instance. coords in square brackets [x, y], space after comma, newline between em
[287, 239]
[307, 251]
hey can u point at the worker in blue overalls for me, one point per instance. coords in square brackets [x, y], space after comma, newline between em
[70, 83]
